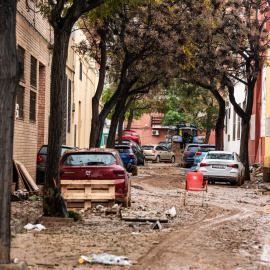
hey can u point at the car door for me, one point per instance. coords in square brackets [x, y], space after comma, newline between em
[160, 152]
[166, 153]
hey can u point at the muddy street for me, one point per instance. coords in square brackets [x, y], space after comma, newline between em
[230, 232]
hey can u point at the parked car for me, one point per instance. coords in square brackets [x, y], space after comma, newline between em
[128, 157]
[130, 135]
[202, 151]
[158, 153]
[188, 154]
[222, 166]
[168, 145]
[97, 164]
[137, 151]
[41, 161]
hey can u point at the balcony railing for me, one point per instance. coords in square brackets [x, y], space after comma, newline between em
[156, 121]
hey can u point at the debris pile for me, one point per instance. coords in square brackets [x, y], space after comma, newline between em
[256, 170]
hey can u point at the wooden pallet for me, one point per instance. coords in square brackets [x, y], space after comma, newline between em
[84, 194]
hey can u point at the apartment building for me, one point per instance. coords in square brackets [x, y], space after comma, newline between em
[32, 109]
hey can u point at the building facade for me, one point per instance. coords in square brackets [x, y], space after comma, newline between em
[32, 110]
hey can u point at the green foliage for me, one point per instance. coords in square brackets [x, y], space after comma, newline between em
[190, 103]
[173, 117]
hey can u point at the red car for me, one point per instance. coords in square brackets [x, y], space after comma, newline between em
[97, 164]
[131, 135]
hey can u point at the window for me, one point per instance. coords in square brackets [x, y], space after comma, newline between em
[229, 114]
[234, 125]
[32, 116]
[85, 159]
[238, 125]
[33, 76]
[80, 70]
[226, 121]
[21, 53]
[19, 102]
[69, 105]
[229, 137]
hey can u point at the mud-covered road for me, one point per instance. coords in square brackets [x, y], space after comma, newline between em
[230, 232]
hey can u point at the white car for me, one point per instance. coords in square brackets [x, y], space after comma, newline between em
[223, 166]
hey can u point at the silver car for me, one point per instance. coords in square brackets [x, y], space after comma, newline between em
[224, 166]
[158, 153]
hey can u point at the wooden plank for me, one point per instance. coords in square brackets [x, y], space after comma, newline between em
[144, 219]
[112, 189]
[26, 184]
[87, 182]
[28, 177]
[20, 181]
[72, 191]
[88, 196]
[73, 186]
[87, 204]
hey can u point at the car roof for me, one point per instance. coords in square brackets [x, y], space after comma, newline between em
[92, 150]
[150, 144]
[68, 146]
[221, 152]
[207, 145]
[122, 146]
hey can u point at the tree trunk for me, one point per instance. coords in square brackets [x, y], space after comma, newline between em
[120, 127]
[108, 106]
[130, 118]
[220, 121]
[122, 119]
[208, 132]
[95, 124]
[51, 200]
[9, 77]
[118, 109]
[244, 147]
[245, 116]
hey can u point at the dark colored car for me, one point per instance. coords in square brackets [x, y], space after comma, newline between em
[202, 151]
[167, 145]
[188, 154]
[137, 151]
[130, 135]
[97, 164]
[128, 157]
[41, 161]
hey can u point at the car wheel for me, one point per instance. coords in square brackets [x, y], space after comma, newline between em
[144, 162]
[239, 181]
[173, 159]
[135, 172]
[158, 159]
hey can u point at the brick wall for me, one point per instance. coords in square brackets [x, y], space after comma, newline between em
[33, 33]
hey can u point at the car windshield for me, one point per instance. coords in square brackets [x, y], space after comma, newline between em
[224, 156]
[43, 150]
[192, 148]
[84, 159]
[123, 150]
[206, 148]
[147, 147]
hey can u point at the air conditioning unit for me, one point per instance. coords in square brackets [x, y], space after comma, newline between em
[155, 132]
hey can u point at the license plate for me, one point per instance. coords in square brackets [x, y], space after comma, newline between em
[218, 166]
